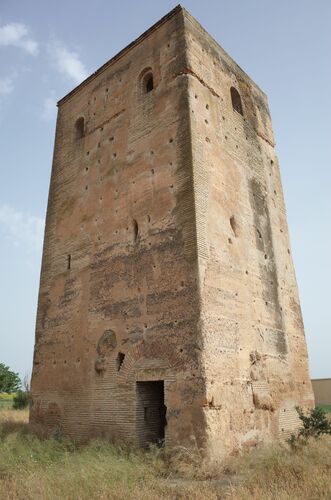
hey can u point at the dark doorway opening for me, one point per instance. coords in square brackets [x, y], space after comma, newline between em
[151, 413]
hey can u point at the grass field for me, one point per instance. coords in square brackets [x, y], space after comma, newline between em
[6, 400]
[326, 408]
[32, 469]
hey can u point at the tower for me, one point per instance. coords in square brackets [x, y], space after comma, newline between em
[168, 305]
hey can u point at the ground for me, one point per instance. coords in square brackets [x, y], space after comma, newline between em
[6, 400]
[36, 469]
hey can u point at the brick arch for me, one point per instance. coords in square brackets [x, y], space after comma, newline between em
[147, 361]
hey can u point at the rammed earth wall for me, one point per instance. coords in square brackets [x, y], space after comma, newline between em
[168, 305]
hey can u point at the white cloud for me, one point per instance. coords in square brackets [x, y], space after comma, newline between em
[20, 229]
[17, 35]
[67, 62]
[49, 108]
[6, 85]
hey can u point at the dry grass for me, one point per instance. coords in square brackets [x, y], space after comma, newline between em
[34, 469]
[9, 416]
[277, 473]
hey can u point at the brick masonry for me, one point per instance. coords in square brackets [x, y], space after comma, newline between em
[167, 255]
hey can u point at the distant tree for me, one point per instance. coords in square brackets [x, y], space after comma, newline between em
[22, 397]
[9, 380]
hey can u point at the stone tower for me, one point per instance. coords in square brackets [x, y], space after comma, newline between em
[168, 305]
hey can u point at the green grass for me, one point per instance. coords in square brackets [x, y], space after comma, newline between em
[4, 396]
[5, 404]
[326, 408]
[6, 400]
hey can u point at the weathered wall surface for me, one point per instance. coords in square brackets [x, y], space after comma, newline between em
[254, 349]
[171, 210]
[121, 205]
[322, 391]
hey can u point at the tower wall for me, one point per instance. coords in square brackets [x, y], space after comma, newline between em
[167, 273]
[121, 206]
[254, 351]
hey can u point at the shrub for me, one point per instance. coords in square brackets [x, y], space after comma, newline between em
[314, 424]
[21, 400]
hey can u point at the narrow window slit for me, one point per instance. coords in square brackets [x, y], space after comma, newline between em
[120, 360]
[149, 84]
[135, 230]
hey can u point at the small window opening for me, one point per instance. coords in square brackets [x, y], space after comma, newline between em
[236, 100]
[120, 360]
[147, 82]
[80, 128]
[69, 261]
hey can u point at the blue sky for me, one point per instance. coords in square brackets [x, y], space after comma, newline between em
[46, 48]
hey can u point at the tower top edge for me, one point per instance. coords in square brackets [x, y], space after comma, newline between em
[179, 9]
[122, 52]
